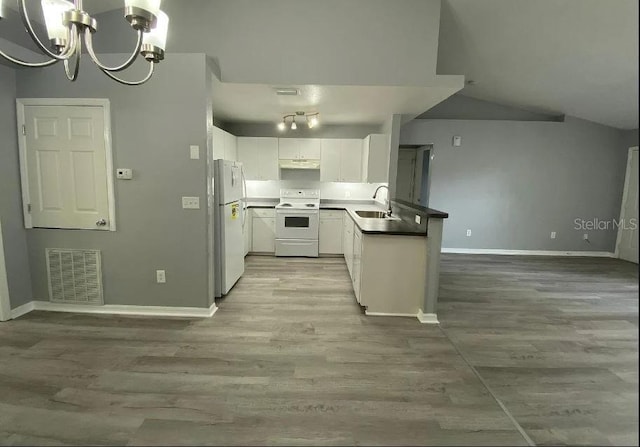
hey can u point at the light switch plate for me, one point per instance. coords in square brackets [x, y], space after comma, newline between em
[553, 235]
[418, 219]
[195, 152]
[124, 173]
[468, 233]
[457, 141]
[161, 276]
[191, 203]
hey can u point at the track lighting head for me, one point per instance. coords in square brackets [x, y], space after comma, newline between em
[311, 120]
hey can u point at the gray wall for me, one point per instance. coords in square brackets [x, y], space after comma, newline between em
[463, 107]
[513, 183]
[323, 131]
[13, 233]
[152, 128]
[629, 138]
[355, 42]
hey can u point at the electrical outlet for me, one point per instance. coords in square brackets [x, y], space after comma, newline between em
[553, 235]
[468, 233]
[191, 203]
[161, 276]
[418, 219]
[124, 174]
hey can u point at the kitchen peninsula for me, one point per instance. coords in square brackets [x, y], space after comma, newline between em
[394, 262]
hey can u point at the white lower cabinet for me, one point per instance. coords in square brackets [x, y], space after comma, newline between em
[246, 231]
[357, 263]
[347, 242]
[263, 230]
[330, 237]
[387, 271]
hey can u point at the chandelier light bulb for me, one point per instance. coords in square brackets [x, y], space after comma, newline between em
[157, 37]
[53, 11]
[294, 126]
[282, 126]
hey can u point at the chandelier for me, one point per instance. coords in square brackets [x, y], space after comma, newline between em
[310, 118]
[68, 25]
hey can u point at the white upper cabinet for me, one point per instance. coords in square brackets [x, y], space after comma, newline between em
[230, 147]
[330, 160]
[218, 143]
[299, 148]
[224, 145]
[351, 161]
[375, 158]
[341, 160]
[259, 157]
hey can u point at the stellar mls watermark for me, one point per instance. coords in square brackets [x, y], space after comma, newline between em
[605, 224]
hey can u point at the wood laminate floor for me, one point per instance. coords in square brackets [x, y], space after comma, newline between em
[290, 359]
[556, 340]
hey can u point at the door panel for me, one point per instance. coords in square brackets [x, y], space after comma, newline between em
[47, 181]
[248, 155]
[351, 161]
[628, 246]
[330, 160]
[66, 166]
[406, 175]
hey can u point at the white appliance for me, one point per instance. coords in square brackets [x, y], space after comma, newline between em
[229, 217]
[297, 222]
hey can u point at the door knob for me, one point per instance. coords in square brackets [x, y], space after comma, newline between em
[101, 223]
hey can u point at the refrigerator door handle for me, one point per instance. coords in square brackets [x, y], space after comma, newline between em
[244, 198]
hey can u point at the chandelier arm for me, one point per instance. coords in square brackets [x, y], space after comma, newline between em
[66, 54]
[27, 64]
[125, 82]
[76, 68]
[88, 39]
[34, 36]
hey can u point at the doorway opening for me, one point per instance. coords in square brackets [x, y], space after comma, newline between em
[414, 174]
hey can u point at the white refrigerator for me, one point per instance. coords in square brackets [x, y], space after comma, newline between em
[229, 222]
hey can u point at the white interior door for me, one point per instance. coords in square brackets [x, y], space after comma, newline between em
[628, 229]
[66, 167]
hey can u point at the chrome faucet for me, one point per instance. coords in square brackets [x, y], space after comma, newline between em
[389, 211]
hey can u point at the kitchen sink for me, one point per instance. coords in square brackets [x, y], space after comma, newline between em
[373, 214]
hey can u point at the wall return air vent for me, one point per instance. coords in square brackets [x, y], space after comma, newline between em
[75, 276]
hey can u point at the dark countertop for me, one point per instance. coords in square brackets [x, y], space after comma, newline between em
[396, 227]
[430, 212]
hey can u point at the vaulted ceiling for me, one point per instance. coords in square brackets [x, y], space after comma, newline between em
[575, 57]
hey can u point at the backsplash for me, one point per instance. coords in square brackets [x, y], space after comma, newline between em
[328, 190]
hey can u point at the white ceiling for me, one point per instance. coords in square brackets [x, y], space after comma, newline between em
[575, 57]
[337, 104]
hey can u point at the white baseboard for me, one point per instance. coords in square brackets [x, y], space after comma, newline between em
[115, 309]
[494, 251]
[21, 310]
[387, 314]
[427, 318]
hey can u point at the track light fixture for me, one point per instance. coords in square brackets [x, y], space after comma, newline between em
[68, 25]
[311, 119]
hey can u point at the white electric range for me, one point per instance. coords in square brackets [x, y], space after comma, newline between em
[297, 222]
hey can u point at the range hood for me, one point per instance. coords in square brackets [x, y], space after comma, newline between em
[299, 164]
